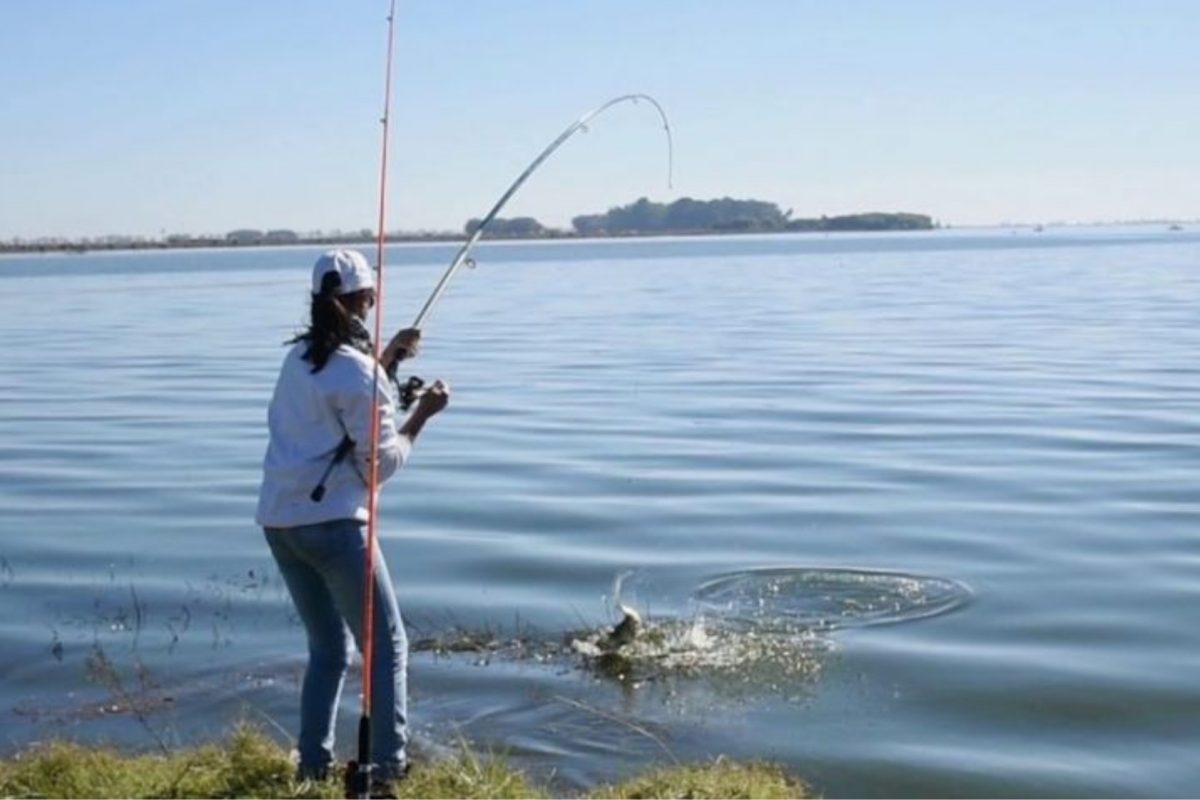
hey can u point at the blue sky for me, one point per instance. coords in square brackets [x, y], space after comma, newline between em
[201, 116]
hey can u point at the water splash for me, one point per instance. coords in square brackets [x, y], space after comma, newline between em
[701, 646]
[767, 628]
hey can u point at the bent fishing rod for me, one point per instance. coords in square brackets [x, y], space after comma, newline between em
[414, 384]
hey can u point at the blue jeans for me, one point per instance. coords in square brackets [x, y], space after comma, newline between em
[323, 567]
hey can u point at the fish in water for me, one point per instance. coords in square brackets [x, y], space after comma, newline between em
[625, 631]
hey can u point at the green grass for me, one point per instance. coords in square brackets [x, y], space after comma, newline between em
[249, 764]
[719, 778]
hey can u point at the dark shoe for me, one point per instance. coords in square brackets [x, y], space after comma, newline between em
[381, 781]
[382, 791]
[307, 773]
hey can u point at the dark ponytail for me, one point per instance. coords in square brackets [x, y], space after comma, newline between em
[331, 326]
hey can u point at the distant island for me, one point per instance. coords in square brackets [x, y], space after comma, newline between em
[698, 217]
[683, 217]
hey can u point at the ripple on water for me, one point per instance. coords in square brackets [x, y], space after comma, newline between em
[827, 598]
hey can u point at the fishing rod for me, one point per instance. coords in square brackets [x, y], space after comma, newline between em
[414, 384]
[460, 257]
[360, 771]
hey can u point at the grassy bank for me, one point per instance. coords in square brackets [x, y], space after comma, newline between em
[248, 764]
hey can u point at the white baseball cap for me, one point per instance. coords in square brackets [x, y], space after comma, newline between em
[350, 265]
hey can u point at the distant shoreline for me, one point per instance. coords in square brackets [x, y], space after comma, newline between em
[452, 237]
[642, 218]
[220, 243]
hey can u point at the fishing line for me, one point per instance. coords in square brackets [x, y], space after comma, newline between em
[414, 384]
[461, 257]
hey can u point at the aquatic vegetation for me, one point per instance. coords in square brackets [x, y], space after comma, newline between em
[139, 701]
[745, 635]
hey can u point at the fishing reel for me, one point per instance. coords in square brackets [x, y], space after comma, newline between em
[410, 391]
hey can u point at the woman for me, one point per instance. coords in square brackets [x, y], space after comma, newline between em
[314, 503]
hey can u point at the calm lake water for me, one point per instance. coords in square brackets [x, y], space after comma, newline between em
[989, 439]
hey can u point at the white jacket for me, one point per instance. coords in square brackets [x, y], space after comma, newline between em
[309, 415]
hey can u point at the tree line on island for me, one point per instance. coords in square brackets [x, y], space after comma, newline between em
[689, 216]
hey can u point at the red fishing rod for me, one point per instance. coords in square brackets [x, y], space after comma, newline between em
[359, 772]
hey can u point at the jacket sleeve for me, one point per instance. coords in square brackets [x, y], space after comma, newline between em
[354, 409]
